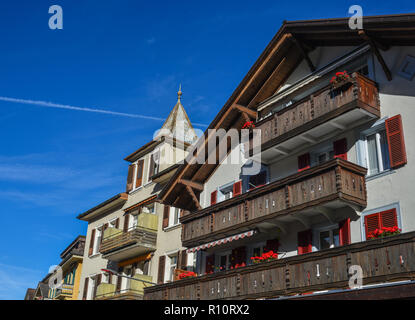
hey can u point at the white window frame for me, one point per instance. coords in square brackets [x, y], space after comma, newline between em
[135, 175]
[363, 153]
[172, 216]
[168, 273]
[97, 240]
[329, 228]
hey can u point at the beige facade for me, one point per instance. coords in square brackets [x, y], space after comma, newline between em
[126, 233]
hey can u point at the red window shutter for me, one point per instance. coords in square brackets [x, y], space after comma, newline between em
[84, 296]
[237, 188]
[213, 197]
[388, 218]
[303, 162]
[126, 220]
[340, 149]
[130, 178]
[344, 232]
[166, 215]
[91, 242]
[162, 263]
[396, 143]
[139, 176]
[304, 242]
[210, 263]
[372, 222]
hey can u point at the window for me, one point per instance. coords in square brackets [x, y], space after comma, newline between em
[329, 238]
[257, 180]
[377, 154]
[149, 208]
[173, 266]
[407, 69]
[223, 261]
[225, 192]
[174, 216]
[154, 165]
[97, 242]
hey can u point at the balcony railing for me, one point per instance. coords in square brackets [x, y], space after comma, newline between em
[135, 290]
[65, 291]
[360, 94]
[141, 237]
[382, 260]
[335, 180]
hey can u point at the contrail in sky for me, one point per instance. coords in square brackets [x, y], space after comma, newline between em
[68, 107]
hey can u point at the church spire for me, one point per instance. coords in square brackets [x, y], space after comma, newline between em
[177, 124]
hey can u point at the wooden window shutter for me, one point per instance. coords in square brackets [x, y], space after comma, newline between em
[84, 296]
[303, 162]
[117, 223]
[213, 197]
[396, 143]
[237, 188]
[98, 282]
[304, 242]
[119, 279]
[340, 149]
[166, 215]
[344, 232]
[372, 222]
[183, 260]
[105, 227]
[91, 242]
[130, 177]
[126, 220]
[139, 176]
[388, 218]
[162, 263]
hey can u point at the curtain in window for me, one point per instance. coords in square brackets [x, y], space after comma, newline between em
[372, 154]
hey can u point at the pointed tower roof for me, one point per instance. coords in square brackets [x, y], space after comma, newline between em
[177, 124]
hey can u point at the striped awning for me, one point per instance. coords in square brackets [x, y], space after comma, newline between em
[222, 241]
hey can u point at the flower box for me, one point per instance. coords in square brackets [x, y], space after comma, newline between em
[384, 232]
[265, 257]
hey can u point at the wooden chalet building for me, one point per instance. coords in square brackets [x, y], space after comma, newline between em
[337, 163]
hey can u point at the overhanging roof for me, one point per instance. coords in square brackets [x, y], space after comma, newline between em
[281, 56]
[102, 207]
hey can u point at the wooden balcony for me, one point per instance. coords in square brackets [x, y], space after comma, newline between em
[332, 185]
[317, 116]
[382, 260]
[118, 245]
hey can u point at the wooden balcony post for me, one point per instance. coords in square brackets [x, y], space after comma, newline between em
[287, 197]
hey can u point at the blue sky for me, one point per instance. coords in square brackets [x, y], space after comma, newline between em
[121, 56]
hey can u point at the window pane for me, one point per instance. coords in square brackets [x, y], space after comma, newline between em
[336, 238]
[325, 240]
[372, 154]
[384, 150]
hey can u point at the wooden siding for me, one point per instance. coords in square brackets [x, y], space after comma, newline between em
[336, 179]
[382, 260]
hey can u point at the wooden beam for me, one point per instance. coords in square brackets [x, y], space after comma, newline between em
[192, 184]
[378, 55]
[246, 110]
[304, 54]
[194, 198]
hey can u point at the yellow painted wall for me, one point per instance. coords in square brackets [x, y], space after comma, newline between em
[77, 281]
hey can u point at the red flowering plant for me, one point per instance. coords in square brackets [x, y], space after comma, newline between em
[384, 232]
[265, 257]
[187, 274]
[339, 78]
[248, 125]
[238, 265]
